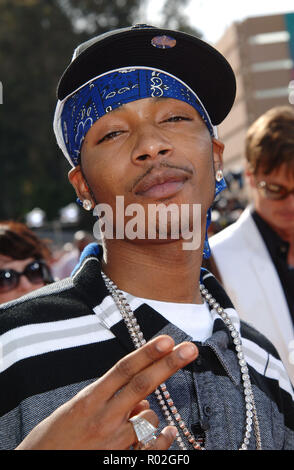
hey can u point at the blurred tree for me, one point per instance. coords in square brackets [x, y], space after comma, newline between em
[97, 16]
[37, 38]
[174, 17]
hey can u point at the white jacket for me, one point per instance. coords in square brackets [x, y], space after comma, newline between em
[252, 282]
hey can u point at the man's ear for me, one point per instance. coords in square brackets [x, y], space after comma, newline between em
[78, 181]
[249, 174]
[218, 150]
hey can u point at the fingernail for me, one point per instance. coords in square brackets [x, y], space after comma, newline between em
[187, 351]
[164, 344]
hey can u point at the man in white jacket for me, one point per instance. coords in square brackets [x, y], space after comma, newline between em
[255, 255]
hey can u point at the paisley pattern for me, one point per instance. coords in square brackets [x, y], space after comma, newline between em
[113, 89]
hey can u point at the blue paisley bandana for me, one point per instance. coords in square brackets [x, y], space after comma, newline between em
[79, 111]
[76, 114]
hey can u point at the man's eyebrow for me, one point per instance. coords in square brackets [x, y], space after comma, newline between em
[122, 105]
[273, 182]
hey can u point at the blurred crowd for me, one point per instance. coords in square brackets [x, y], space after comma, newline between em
[230, 204]
[29, 262]
[65, 259]
[251, 230]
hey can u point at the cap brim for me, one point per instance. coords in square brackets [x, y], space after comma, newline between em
[192, 60]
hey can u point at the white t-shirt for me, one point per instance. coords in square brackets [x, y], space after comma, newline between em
[194, 319]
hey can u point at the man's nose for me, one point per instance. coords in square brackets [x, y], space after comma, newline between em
[290, 200]
[150, 144]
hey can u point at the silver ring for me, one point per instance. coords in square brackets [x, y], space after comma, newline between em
[144, 430]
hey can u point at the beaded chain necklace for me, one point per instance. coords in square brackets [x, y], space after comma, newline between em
[165, 401]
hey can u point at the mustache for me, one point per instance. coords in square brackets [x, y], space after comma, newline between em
[162, 164]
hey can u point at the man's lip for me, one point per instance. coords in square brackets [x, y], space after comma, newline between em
[162, 183]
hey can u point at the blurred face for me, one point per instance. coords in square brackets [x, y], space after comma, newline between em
[150, 151]
[24, 285]
[279, 213]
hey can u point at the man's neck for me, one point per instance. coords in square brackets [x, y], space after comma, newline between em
[288, 237]
[284, 234]
[161, 271]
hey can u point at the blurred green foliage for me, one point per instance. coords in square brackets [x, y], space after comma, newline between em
[37, 39]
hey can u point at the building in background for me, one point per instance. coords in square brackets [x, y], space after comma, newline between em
[261, 53]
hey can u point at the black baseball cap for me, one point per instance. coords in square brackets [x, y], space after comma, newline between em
[187, 57]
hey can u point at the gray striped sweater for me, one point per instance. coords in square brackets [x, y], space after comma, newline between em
[57, 340]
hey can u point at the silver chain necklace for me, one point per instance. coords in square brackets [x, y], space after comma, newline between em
[166, 403]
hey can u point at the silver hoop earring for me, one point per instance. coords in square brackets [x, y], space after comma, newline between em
[87, 204]
[219, 175]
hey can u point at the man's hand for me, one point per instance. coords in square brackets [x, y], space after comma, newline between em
[97, 417]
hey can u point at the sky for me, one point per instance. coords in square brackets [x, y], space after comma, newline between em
[212, 17]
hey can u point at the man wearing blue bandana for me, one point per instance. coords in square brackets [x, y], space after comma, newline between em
[136, 118]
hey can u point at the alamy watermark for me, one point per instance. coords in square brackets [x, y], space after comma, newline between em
[150, 222]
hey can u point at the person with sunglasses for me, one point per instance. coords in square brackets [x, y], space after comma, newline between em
[258, 249]
[24, 261]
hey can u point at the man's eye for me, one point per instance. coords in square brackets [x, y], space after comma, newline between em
[109, 136]
[178, 118]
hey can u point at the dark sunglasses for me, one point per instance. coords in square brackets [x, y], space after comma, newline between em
[36, 272]
[273, 191]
